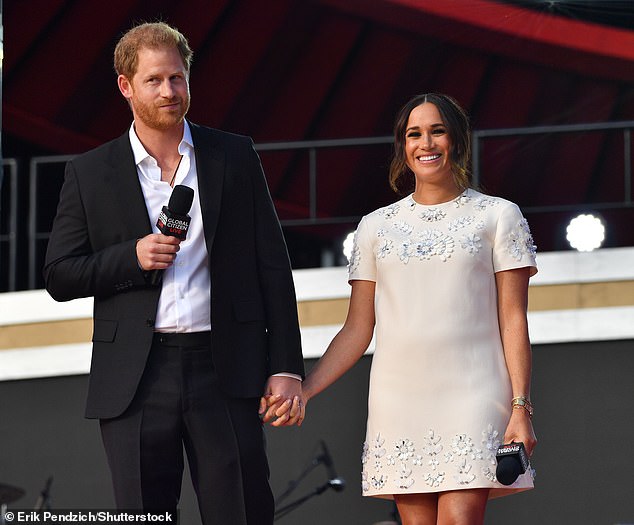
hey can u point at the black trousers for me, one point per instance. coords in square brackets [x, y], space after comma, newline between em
[178, 403]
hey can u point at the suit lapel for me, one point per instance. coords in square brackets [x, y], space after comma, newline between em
[122, 180]
[210, 167]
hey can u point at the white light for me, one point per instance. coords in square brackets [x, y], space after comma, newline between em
[585, 233]
[347, 245]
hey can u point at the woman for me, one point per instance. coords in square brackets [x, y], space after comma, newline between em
[444, 272]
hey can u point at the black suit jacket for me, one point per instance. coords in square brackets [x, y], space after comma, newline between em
[92, 252]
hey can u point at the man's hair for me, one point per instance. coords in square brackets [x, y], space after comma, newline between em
[153, 35]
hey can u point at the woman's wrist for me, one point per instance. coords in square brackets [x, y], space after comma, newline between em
[524, 404]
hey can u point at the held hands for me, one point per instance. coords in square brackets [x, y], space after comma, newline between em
[157, 251]
[282, 403]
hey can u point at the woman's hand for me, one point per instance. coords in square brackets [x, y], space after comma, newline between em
[290, 412]
[520, 429]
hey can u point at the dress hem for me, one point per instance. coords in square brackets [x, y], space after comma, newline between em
[494, 492]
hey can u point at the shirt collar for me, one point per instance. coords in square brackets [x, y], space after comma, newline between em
[139, 152]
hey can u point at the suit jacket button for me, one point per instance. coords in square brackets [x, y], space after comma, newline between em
[149, 322]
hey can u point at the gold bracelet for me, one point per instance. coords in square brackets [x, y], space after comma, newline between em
[523, 402]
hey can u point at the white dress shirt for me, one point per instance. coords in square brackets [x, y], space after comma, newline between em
[184, 302]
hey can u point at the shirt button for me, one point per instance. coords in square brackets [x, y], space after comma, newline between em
[149, 322]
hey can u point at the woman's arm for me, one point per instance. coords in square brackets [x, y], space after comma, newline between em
[512, 290]
[342, 353]
[348, 345]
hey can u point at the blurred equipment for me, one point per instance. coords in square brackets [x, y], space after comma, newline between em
[44, 500]
[9, 494]
[334, 482]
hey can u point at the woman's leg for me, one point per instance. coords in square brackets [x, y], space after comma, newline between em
[462, 507]
[417, 509]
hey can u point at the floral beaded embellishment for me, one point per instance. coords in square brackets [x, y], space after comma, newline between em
[463, 199]
[520, 241]
[404, 449]
[385, 247]
[464, 476]
[429, 243]
[375, 482]
[471, 243]
[390, 211]
[355, 256]
[485, 202]
[432, 215]
[460, 223]
[408, 461]
[403, 227]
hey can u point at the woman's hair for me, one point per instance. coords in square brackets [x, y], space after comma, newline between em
[152, 35]
[455, 119]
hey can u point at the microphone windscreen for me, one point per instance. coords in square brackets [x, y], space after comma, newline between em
[181, 200]
[508, 470]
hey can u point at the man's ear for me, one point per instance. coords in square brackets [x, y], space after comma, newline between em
[125, 86]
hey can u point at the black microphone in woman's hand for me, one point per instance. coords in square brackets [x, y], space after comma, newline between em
[173, 219]
[512, 462]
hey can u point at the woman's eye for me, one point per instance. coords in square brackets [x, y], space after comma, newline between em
[439, 131]
[413, 135]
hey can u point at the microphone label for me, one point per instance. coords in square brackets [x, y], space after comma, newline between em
[173, 225]
[516, 450]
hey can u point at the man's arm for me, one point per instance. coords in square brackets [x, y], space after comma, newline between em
[276, 280]
[284, 339]
[73, 268]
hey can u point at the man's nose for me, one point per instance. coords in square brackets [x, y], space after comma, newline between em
[167, 91]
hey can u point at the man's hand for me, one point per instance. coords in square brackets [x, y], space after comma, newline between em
[282, 401]
[157, 251]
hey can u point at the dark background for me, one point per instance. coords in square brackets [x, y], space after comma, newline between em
[305, 70]
[583, 422]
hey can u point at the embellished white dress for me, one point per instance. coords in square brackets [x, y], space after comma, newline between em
[440, 393]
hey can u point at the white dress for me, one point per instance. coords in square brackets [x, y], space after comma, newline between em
[440, 393]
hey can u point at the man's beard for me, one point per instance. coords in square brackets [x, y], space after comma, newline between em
[153, 117]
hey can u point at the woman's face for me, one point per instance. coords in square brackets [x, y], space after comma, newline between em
[427, 145]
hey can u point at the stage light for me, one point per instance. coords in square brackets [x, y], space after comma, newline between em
[347, 245]
[585, 232]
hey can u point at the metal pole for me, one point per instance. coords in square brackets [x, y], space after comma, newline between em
[627, 162]
[312, 183]
[32, 222]
[13, 226]
[475, 156]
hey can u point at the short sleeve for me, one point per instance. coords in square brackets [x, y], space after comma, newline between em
[362, 265]
[513, 246]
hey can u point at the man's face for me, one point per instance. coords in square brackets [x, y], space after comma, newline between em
[159, 90]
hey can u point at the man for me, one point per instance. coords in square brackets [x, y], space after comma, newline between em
[184, 361]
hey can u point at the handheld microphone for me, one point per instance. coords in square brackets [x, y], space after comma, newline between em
[334, 481]
[173, 219]
[512, 462]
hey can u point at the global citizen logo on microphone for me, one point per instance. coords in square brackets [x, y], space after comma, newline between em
[174, 225]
